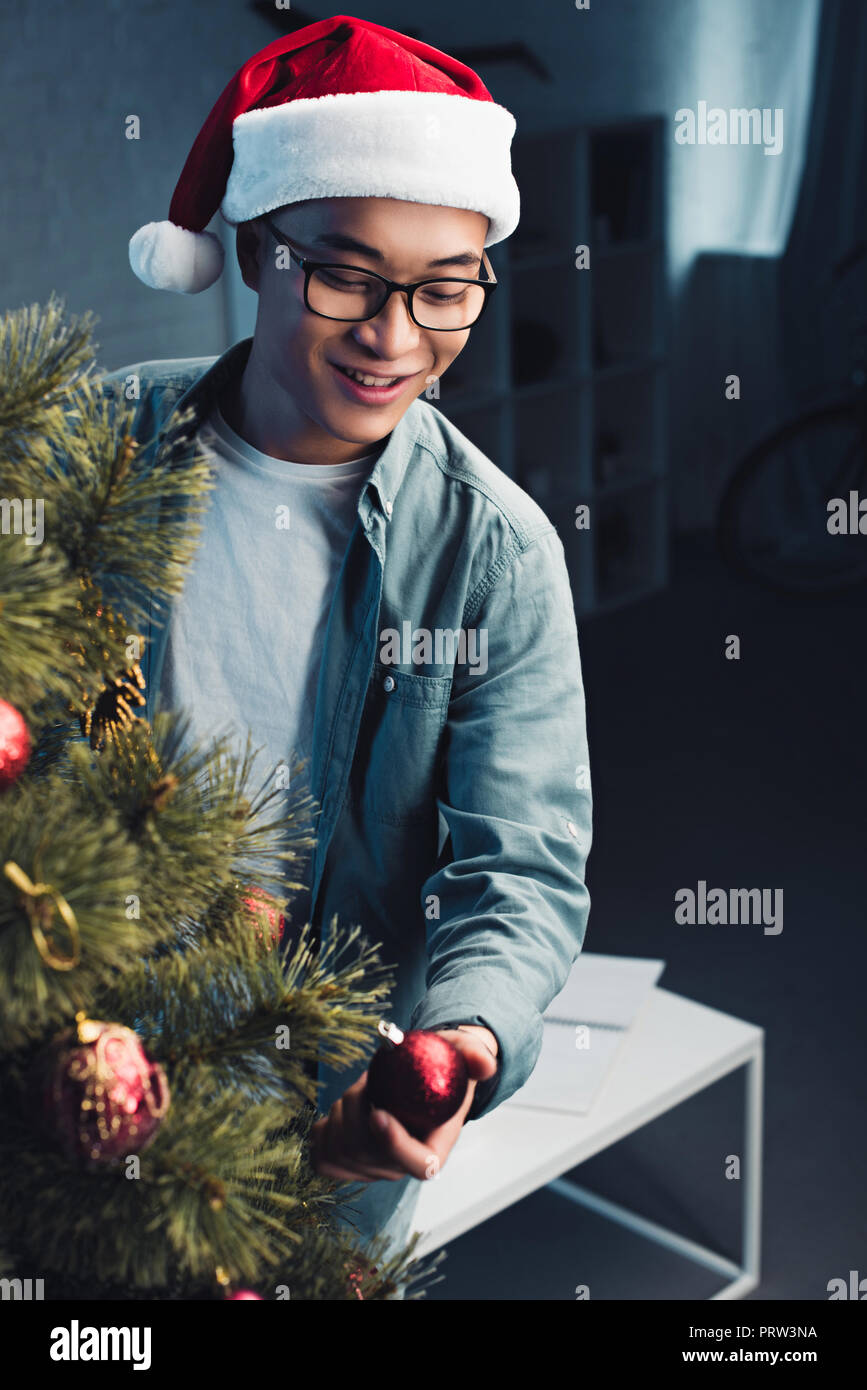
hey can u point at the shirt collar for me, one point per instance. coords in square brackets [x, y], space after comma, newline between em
[387, 474]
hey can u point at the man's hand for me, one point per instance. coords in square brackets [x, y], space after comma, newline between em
[354, 1145]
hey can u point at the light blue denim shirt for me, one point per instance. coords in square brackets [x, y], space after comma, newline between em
[452, 772]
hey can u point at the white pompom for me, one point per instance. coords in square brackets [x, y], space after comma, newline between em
[168, 257]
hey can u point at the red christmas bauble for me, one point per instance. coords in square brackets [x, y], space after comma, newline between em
[104, 1098]
[262, 906]
[14, 745]
[419, 1077]
[243, 1294]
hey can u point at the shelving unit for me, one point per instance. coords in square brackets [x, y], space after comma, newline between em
[562, 384]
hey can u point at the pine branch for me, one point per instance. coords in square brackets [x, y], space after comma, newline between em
[233, 1008]
[75, 479]
[198, 824]
[39, 607]
[231, 1191]
[44, 353]
[124, 511]
[55, 839]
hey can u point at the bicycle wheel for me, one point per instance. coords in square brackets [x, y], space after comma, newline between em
[772, 526]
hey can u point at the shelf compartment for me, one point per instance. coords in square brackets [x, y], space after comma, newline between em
[544, 339]
[552, 437]
[624, 303]
[627, 429]
[543, 167]
[623, 174]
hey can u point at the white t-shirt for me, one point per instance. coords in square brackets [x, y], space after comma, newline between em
[245, 637]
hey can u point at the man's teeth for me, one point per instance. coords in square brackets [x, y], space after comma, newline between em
[370, 380]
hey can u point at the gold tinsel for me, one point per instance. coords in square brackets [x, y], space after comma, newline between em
[114, 709]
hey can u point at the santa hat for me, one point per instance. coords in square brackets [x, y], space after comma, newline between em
[341, 108]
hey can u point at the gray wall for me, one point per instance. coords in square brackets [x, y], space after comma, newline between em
[71, 75]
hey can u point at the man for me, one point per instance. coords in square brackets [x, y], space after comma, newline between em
[412, 630]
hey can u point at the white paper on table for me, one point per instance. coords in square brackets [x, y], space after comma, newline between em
[602, 997]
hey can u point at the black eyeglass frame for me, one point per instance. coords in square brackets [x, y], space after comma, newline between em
[309, 266]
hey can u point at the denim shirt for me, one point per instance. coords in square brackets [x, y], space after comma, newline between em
[452, 781]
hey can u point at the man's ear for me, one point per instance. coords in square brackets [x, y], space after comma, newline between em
[248, 247]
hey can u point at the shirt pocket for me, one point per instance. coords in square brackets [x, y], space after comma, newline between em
[393, 778]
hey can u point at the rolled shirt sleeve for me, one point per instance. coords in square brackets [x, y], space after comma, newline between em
[511, 899]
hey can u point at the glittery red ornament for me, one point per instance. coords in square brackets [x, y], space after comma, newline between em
[14, 745]
[243, 1294]
[262, 905]
[104, 1098]
[419, 1077]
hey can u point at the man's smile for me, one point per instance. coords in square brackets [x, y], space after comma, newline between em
[370, 376]
[369, 388]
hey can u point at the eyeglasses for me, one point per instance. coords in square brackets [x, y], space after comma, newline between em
[351, 295]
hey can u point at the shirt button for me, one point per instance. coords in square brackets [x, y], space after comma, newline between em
[388, 683]
[388, 508]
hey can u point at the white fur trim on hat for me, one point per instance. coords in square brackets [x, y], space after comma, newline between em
[168, 257]
[423, 147]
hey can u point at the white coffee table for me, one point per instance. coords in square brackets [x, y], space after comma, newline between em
[674, 1048]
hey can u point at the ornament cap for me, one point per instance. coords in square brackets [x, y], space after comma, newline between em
[390, 1032]
[88, 1029]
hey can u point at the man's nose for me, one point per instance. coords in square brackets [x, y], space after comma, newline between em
[392, 332]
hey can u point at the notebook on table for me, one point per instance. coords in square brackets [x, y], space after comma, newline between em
[583, 1028]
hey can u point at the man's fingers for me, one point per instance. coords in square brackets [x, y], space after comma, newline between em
[361, 1142]
[423, 1158]
[344, 1149]
[419, 1157]
[334, 1154]
[350, 1147]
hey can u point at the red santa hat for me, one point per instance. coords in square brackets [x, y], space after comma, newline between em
[341, 108]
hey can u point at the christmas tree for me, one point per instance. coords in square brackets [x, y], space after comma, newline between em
[157, 1034]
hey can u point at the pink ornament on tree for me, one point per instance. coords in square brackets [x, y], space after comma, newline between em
[104, 1098]
[263, 908]
[14, 745]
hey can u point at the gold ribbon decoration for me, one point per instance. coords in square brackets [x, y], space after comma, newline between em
[39, 901]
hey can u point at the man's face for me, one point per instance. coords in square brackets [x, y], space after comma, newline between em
[300, 353]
